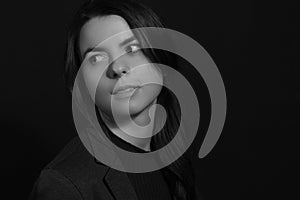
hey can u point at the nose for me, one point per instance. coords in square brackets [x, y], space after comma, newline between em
[118, 68]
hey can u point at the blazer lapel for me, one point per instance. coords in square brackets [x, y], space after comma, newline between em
[120, 185]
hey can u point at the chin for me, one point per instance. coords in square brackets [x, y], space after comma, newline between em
[137, 106]
[143, 100]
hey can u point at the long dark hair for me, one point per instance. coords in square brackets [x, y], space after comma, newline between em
[137, 16]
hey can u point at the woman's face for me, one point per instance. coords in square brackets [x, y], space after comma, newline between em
[128, 76]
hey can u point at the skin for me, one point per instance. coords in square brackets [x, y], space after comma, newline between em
[119, 63]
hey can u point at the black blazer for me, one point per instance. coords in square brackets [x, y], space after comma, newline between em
[86, 179]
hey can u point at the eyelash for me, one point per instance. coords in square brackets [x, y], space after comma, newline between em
[133, 51]
[94, 57]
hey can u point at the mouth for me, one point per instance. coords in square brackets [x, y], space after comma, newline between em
[125, 89]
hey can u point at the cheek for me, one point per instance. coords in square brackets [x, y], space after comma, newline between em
[147, 73]
[103, 104]
[91, 76]
[151, 80]
[103, 95]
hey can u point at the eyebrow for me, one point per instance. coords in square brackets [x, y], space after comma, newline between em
[123, 43]
[127, 41]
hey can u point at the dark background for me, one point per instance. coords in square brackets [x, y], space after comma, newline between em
[254, 46]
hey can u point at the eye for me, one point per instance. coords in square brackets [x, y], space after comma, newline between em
[97, 58]
[133, 48]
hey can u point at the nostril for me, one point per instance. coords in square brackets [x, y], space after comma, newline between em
[115, 75]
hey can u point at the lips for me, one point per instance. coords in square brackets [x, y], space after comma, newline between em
[125, 89]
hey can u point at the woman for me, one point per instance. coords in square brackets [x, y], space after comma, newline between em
[76, 174]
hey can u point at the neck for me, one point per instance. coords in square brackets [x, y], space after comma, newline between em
[142, 119]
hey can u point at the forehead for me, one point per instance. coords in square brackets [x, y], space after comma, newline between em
[98, 29]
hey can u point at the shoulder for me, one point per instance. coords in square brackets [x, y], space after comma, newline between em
[70, 174]
[75, 161]
[51, 185]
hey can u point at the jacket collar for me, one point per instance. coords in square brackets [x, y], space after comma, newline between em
[119, 185]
